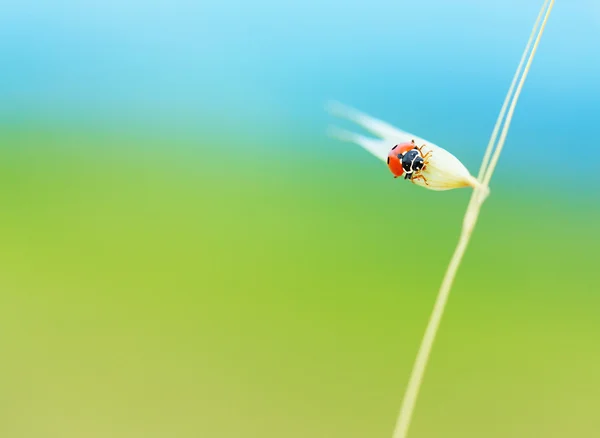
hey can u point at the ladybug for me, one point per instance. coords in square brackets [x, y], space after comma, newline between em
[407, 159]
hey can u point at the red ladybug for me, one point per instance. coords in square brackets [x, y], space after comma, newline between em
[407, 159]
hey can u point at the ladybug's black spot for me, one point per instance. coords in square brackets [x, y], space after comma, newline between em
[388, 160]
[394, 147]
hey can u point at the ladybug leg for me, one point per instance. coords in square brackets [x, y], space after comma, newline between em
[420, 149]
[420, 176]
[426, 159]
[408, 175]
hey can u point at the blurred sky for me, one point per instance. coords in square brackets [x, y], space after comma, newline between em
[265, 68]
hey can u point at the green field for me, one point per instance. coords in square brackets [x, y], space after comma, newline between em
[174, 289]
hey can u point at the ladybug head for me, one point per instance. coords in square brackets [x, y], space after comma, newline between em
[418, 163]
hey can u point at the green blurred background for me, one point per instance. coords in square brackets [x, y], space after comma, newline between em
[147, 292]
[186, 254]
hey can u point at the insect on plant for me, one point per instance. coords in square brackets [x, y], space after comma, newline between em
[426, 164]
[420, 161]
[408, 159]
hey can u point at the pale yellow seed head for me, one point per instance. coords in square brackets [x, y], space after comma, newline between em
[443, 171]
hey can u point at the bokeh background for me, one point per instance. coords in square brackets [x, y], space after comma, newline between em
[185, 253]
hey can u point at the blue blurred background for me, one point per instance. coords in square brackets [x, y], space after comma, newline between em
[186, 253]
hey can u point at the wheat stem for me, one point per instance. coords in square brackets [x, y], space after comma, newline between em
[487, 168]
[496, 156]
